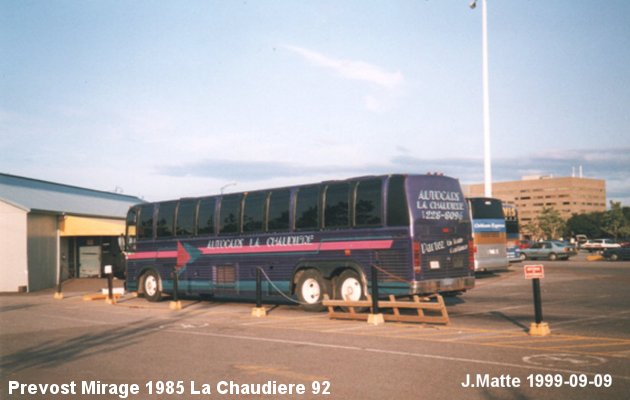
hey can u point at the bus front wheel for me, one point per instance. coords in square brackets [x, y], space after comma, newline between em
[151, 286]
[310, 290]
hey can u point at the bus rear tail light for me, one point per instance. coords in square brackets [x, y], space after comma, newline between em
[416, 257]
[472, 250]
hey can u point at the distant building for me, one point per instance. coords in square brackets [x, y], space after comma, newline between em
[534, 193]
[48, 227]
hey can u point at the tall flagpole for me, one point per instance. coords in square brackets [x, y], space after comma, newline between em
[487, 165]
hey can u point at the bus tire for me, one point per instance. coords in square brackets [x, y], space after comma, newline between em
[310, 290]
[349, 286]
[151, 286]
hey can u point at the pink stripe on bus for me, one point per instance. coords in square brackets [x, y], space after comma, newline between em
[320, 246]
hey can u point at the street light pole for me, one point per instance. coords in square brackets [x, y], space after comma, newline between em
[487, 165]
[226, 186]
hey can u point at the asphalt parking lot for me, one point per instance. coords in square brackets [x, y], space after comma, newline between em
[87, 349]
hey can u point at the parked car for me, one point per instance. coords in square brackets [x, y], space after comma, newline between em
[581, 239]
[619, 253]
[599, 245]
[550, 250]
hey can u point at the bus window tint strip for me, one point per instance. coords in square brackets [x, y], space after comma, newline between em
[145, 222]
[336, 209]
[166, 218]
[368, 204]
[205, 218]
[278, 214]
[185, 223]
[254, 212]
[230, 214]
[307, 208]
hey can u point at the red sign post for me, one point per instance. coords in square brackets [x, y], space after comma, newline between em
[536, 273]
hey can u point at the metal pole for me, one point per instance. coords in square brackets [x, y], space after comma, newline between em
[258, 288]
[537, 301]
[175, 284]
[375, 309]
[110, 286]
[487, 166]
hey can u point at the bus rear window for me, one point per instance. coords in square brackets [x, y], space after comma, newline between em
[484, 208]
[437, 198]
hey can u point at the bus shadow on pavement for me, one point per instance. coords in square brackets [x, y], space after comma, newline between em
[57, 352]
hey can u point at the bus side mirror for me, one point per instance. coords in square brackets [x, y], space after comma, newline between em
[122, 242]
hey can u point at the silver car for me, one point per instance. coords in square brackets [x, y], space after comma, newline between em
[549, 250]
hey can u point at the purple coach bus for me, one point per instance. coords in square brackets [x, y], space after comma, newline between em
[307, 241]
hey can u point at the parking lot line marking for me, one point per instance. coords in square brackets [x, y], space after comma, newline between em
[389, 352]
[438, 336]
[580, 320]
[89, 321]
[589, 345]
[568, 338]
[481, 336]
[619, 354]
[254, 369]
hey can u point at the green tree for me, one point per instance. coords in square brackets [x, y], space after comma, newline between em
[551, 223]
[532, 229]
[614, 222]
[585, 224]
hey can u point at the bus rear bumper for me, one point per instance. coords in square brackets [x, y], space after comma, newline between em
[442, 285]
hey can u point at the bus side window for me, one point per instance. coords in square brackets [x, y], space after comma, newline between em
[230, 214]
[307, 208]
[368, 207]
[185, 219]
[165, 219]
[336, 210]
[254, 211]
[205, 216]
[397, 210]
[278, 214]
[131, 223]
[145, 222]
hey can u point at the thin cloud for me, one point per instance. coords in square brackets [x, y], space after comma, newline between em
[467, 170]
[350, 69]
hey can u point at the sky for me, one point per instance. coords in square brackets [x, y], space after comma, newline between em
[162, 99]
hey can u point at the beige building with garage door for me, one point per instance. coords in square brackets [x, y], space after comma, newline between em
[51, 231]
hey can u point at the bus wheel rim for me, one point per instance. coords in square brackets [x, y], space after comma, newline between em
[351, 289]
[311, 291]
[150, 285]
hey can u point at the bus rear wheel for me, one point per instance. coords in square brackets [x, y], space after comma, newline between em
[151, 286]
[349, 286]
[310, 290]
